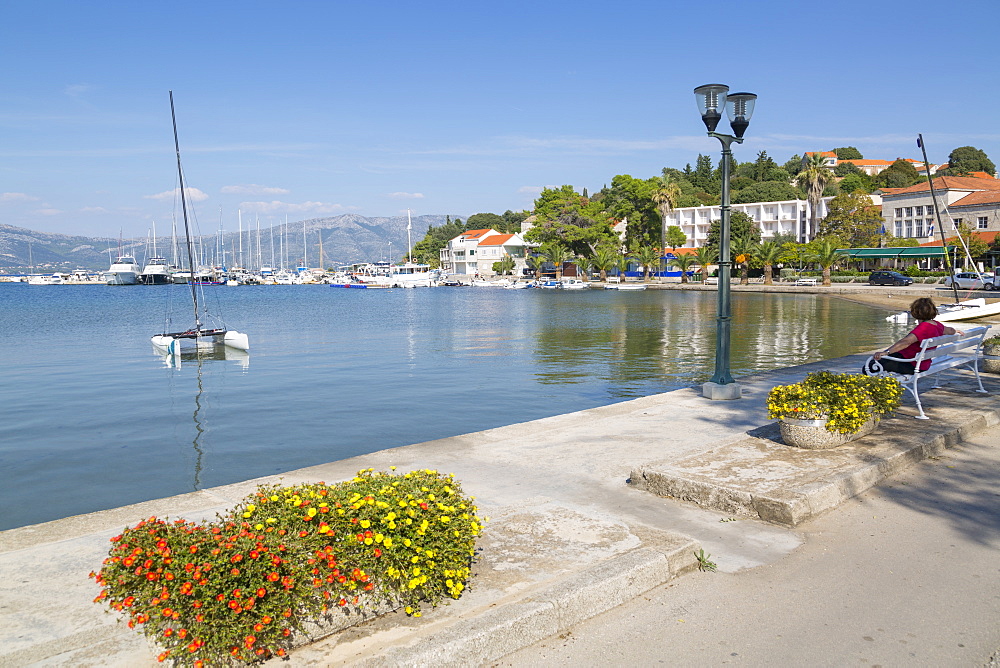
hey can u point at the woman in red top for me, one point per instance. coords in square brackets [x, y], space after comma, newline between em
[924, 311]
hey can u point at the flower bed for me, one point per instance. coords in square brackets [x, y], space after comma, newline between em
[845, 400]
[239, 589]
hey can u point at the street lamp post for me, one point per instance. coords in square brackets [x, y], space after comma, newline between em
[739, 107]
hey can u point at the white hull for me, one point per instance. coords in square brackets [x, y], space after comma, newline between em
[967, 310]
[171, 346]
[625, 288]
[121, 277]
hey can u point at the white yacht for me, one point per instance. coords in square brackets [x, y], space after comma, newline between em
[156, 272]
[47, 279]
[124, 271]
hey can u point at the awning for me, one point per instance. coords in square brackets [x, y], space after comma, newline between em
[906, 252]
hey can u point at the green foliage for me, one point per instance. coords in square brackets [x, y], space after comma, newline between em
[846, 400]
[567, 217]
[855, 182]
[977, 247]
[741, 226]
[486, 221]
[854, 219]
[675, 237]
[813, 178]
[967, 159]
[848, 153]
[649, 257]
[632, 198]
[794, 165]
[505, 266]
[604, 259]
[683, 262]
[238, 589]
[704, 561]
[705, 256]
[900, 174]
[766, 191]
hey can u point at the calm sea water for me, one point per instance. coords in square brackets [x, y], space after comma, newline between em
[91, 418]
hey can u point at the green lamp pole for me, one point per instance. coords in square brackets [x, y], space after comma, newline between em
[711, 99]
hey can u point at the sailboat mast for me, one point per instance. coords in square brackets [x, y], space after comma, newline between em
[409, 242]
[305, 252]
[937, 215]
[187, 227]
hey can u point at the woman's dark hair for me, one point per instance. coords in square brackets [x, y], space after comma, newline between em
[923, 309]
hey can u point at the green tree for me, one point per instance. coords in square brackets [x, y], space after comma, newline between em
[583, 265]
[649, 257]
[900, 174]
[762, 167]
[766, 191]
[854, 182]
[622, 262]
[632, 198]
[705, 257]
[505, 266]
[665, 195]
[769, 254]
[854, 219]
[558, 255]
[967, 159]
[683, 262]
[744, 250]
[604, 259]
[513, 220]
[824, 252]
[566, 217]
[740, 225]
[675, 237]
[486, 221]
[536, 262]
[794, 165]
[977, 247]
[848, 153]
[813, 179]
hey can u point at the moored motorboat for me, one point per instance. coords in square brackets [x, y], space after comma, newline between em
[156, 272]
[123, 271]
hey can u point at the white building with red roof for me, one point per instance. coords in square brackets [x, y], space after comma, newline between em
[475, 251]
[909, 212]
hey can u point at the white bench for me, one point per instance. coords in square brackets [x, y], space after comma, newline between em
[950, 351]
[614, 279]
[806, 281]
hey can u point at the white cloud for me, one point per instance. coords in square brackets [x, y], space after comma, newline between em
[93, 209]
[193, 194]
[406, 195]
[75, 90]
[48, 212]
[531, 190]
[291, 207]
[17, 197]
[253, 189]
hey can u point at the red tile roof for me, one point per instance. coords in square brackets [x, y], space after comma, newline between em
[472, 234]
[496, 240]
[948, 183]
[825, 154]
[981, 197]
[986, 236]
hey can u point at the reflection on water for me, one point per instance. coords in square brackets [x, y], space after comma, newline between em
[88, 421]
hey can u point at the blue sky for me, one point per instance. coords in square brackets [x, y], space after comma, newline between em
[311, 109]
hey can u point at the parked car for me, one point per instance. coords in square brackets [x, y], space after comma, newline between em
[888, 278]
[969, 280]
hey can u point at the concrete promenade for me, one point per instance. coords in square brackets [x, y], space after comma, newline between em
[570, 540]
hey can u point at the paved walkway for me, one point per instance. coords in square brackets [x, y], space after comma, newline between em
[568, 540]
[907, 574]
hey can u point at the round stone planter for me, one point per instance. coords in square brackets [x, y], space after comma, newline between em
[991, 365]
[812, 434]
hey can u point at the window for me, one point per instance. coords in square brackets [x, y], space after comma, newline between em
[982, 222]
[899, 213]
[909, 211]
[918, 227]
[899, 228]
[909, 228]
[955, 222]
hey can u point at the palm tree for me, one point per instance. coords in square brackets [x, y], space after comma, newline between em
[705, 256]
[557, 254]
[506, 265]
[744, 250]
[769, 255]
[582, 267]
[535, 262]
[824, 253]
[603, 260]
[813, 178]
[683, 262]
[647, 256]
[622, 262]
[665, 197]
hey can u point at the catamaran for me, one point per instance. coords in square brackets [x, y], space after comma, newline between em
[170, 342]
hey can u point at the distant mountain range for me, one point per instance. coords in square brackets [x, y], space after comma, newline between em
[347, 238]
